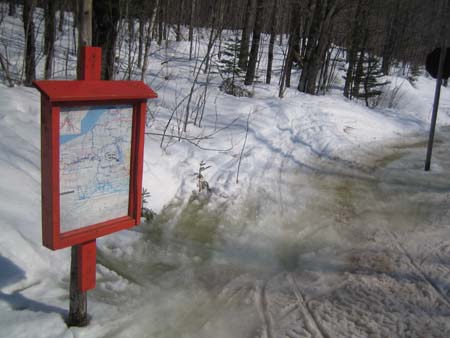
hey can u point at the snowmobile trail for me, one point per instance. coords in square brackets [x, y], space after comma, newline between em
[261, 306]
[441, 295]
[329, 253]
[318, 330]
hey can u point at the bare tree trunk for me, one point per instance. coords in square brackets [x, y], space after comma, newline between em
[12, 7]
[212, 38]
[271, 41]
[390, 40]
[5, 68]
[166, 24]
[270, 58]
[366, 78]
[245, 38]
[294, 42]
[131, 41]
[75, 23]
[289, 60]
[141, 40]
[220, 26]
[180, 18]
[318, 41]
[84, 23]
[49, 37]
[359, 73]
[355, 45]
[349, 75]
[323, 80]
[332, 73]
[283, 72]
[191, 28]
[160, 24]
[251, 67]
[106, 16]
[186, 116]
[148, 40]
[30, 43]
[62, 11]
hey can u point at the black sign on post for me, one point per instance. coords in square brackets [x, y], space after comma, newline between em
[432, 63]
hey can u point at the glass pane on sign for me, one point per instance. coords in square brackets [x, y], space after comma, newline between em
[95, 154]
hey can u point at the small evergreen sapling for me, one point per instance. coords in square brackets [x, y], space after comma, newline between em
[413, 74]
[202, 184]
[229, 68]
[146, 212]
[369, 79]
[228, 63]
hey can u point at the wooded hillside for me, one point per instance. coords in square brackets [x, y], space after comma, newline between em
[369, 36]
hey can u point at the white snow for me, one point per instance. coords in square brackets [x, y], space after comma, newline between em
[333, 230]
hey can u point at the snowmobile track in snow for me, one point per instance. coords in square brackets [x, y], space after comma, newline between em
[309, 314]
[442, 296]
[262, 307]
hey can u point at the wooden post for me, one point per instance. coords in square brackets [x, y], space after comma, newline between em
[82, 279]
[84, 23]
[82, 267]
[78, 299]
[85, 68]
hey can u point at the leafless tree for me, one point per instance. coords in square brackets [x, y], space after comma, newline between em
[49, 36]
[30, 42]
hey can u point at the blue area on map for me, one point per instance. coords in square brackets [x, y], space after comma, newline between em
[111, 155]
[88, 123]
[119, 154]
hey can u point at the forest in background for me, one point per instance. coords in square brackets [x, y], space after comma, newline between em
[371, 37]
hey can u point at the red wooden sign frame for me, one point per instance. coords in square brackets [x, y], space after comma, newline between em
[60, 94]
[88, 91]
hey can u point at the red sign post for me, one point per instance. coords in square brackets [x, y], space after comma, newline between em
[92, 140]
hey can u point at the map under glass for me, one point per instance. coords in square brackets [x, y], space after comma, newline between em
[95, 153]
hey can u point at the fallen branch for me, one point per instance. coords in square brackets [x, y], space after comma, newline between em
[179, 137]
[243, 147]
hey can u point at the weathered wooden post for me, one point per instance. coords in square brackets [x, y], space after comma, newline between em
[88, 65]
[83, 256]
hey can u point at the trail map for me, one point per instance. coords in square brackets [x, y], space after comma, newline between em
[95, 151]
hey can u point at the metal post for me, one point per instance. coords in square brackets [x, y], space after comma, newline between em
[437, 95]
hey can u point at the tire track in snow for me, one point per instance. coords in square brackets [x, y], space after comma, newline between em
[439, 252]
[320, 332]
[262, 308]
[443, 297]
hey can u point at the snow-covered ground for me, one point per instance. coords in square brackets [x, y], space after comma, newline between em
[334, 229]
